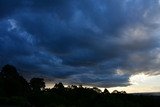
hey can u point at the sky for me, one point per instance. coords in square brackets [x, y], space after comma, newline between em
[110, 44]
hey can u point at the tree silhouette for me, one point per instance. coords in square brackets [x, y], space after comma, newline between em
[118, 92]
[9, 71]
[97, 89]
[123, 92]
[106, 91]
[37, 84]
[115, 92]
[74, 87]
[59, 86]
[12, 83]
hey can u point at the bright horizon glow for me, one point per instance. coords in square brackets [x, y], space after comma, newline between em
[139, 83]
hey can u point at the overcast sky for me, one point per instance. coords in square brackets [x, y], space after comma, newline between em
[92, 42]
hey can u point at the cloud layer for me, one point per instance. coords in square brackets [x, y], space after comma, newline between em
[90, 42]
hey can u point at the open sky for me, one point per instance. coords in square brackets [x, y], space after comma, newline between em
[103, 43]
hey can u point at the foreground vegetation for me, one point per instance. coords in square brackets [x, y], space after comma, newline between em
[16, 91]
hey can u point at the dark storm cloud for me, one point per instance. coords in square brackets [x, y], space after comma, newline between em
[88, 42]
[7, 7]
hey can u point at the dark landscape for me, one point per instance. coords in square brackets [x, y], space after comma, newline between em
[15, 91]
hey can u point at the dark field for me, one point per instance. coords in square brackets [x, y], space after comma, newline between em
[79, 97]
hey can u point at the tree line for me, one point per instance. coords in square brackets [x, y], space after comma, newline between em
[15, 90]
[11, 83]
